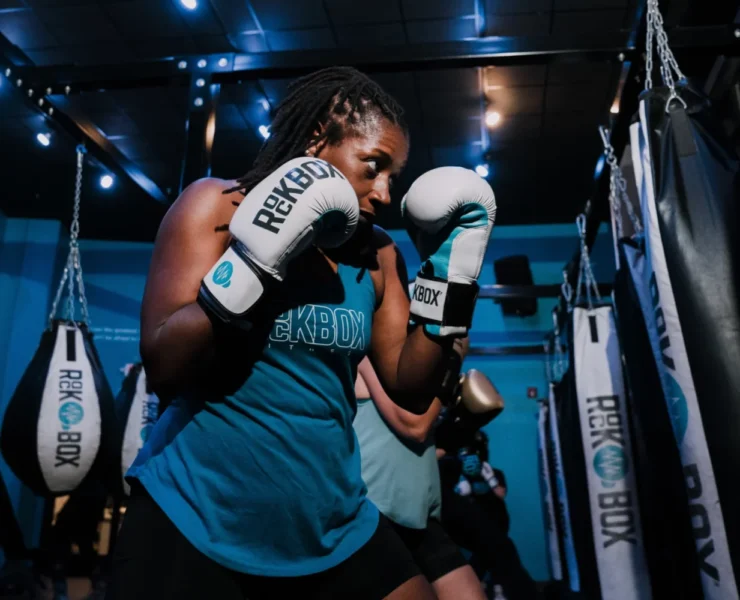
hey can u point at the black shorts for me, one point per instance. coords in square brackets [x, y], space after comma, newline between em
[152, 560]
[433, 550]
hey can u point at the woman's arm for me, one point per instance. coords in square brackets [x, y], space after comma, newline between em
[404, 423]
[176, 334]
[409, 365]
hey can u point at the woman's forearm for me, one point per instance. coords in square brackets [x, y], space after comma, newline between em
[175, 349]
[421, 371]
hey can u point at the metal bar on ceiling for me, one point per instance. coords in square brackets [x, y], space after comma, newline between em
[79, 128]
[469, 53]
[531, 350]
[99, 146]
[201, 130]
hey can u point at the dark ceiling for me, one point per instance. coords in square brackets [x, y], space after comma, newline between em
[541, 157]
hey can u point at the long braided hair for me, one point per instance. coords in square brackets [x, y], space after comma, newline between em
[336, 98]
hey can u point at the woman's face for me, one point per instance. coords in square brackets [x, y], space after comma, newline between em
[371, 157]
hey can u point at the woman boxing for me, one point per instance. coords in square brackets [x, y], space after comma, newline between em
[263, 296]
[400, 469]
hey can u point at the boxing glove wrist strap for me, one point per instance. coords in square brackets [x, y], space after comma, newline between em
[227, 301]
[444, 303]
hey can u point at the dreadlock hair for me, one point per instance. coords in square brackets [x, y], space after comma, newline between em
[336, 98]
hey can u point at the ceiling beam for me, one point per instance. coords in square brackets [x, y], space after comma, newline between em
[493, 51]
[15, 65]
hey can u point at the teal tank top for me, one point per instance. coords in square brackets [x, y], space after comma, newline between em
[267, 480]
[402, 476]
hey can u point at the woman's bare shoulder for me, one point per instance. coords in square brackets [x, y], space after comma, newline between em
[206, 200]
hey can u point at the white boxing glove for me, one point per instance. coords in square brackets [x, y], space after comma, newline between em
[451, 211]
[304, 201]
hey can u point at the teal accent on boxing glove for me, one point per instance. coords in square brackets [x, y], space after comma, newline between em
[450, 212]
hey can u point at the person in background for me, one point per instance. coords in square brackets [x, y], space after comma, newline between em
[486, 484]
[473, 510]
[400, 470]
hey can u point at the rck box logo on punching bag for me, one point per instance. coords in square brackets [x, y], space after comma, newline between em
[69, 414]
[701, 524]
[610, 462]
[277, 206]
[71, 410]
[615, 515]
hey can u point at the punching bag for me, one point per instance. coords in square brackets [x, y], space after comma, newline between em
[561, 492]
[688, 182]
[616, 525]
[548, 499]
[59, 426]
[663, 500]
[137, 409]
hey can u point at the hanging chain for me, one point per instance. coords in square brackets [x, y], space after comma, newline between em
[555, 365]
[649, 47]
[586, 276]
[669, 66]
[73, 268]
[567, 291]
[618, 189]
[549, 370]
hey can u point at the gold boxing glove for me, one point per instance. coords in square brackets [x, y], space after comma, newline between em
[477, 401]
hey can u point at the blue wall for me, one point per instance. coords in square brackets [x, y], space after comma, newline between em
[115, 274]
[32, 253]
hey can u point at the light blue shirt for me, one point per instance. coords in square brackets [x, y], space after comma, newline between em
[402, 476]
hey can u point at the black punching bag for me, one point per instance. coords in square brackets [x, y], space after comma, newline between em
[549, 506]
[137, 409]
[664, 506]
[59, 426]
[689, 194]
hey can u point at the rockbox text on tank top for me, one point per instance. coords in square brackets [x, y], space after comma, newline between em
[317, 326]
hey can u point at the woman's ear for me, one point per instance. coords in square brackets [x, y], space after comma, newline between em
[315, 148]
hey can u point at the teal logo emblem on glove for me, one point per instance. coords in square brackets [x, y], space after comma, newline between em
[678, 408]
[222, 274]
[610, 465]
[70, 413]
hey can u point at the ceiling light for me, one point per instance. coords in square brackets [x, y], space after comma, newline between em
[190, 4]
[493, 118]
[482, 170]
[44, 139]
[264, 131]
[106, 182]
[200, 82]
[222, 62]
